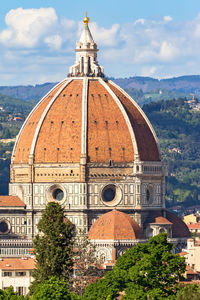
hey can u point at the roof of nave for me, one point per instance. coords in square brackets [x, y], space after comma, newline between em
[7, 201]
[115, 225]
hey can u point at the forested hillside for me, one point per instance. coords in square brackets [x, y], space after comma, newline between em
[178, 129]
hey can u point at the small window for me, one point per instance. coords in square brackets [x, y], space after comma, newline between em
[110, 163]
[20, 274]
[5, 274]
[20, 290]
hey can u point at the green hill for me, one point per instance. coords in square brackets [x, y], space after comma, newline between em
[178, 129]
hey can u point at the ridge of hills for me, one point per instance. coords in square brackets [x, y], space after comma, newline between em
[144, 89]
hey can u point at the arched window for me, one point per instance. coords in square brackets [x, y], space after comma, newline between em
[82, 64]
[149, 194]
[89, 65]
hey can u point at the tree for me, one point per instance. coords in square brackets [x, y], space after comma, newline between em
[6, 134]
[87, 267]
[9, 294]
[53, 246]
[53, 289]
[186, 292]
[147, 270]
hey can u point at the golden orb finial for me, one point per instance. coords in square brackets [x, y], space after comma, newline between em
[86, 20]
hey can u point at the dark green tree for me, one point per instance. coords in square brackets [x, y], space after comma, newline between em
[53, 289]
[6, 134]
[145, 271]
[53, 246]
[9, 294]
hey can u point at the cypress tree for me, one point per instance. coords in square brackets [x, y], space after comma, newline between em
[53, 246]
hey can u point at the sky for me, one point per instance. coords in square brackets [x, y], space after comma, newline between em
[153, 38]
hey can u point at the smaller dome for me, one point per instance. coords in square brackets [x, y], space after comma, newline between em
[115, 225]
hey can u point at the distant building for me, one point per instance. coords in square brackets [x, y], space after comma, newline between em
[192, 259]
[191, 218]
[17, 119]
[16, 272]
[194, 228]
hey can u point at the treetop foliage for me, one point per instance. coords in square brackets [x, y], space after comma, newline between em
[144, 270]
[53, 246]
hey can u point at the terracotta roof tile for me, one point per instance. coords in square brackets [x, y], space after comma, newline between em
[190, 270]
[183, 253]
[193, 226]
[11, 201]
[17, 264]
[59, 139]
[108, 136]
[147, 147]
[108, 133]
[161, 220]
[23, 147]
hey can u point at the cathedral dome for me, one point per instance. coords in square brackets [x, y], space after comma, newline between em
[115, 225]
[86, 116]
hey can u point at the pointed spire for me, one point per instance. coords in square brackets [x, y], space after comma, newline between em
[86, 55]
[86, 36]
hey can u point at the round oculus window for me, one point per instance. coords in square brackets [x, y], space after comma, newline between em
[109, 194]
[58, 194]
[4, 227]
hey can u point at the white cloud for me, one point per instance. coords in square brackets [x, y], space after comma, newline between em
[35, 39]
[26, 26]
[140, 21]
[54, 41]
[167, 18]
[148, 71]
[168, 51]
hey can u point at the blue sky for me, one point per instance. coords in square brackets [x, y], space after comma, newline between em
[145, 38]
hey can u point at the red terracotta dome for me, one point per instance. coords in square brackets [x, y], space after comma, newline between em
[89, 115]
[115, 225]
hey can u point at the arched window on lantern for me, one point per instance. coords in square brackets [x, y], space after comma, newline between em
[82, 64]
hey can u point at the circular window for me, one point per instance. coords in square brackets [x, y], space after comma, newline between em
[111, 195]
[4, 227]
[58, 194]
